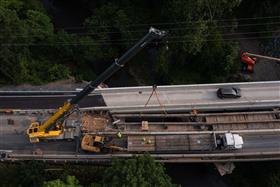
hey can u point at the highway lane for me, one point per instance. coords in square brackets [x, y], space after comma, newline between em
[46, 102]
[12, 137]
[18, 143]
[190, 94]
[255, 95]
[264, 142]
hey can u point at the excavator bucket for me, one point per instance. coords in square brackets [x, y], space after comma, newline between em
[88, 143]
[98, 139]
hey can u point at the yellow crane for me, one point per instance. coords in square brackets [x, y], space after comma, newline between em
[55, 126]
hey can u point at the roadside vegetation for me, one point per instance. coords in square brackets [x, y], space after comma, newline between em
[201, 46]
[136, 171]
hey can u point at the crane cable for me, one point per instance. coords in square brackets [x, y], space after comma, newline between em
[158, 100]
[262, 56]
[154, 91]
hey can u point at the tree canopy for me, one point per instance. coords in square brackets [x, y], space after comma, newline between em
[137, 171]
[70, 181]
[132, 172]
[200, 42]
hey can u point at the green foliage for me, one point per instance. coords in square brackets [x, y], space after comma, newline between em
[112, 28]
[197, 49]
[274, 180]
[31, 71]
[70, 181]
[197, 37]
[20, 60]
[31, 173]
[109, 24]
[137, 171]
[12, 4]
[202, 55]
[34, 173]
[39, 25]
[58, 71]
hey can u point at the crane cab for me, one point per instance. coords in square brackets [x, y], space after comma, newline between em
[34, 133]
[33, 128]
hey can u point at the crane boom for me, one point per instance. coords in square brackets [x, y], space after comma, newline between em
[262, 56]
[53, 126]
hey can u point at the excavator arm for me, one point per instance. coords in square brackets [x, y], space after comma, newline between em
[53, 127]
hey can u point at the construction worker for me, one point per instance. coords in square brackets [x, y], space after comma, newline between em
[119, 134]
[247, 62]
[146, 140]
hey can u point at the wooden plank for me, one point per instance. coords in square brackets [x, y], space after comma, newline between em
[172, 143]
[141, 143]
[201, 142]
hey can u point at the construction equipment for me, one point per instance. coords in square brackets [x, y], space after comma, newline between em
[54, 127]
[249, 60]
[99, 144]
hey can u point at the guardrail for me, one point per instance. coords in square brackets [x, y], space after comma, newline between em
[254, 131]
[149, 88]
[181, 158]
[243, 106]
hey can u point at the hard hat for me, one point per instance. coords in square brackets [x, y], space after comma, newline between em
[119, 134]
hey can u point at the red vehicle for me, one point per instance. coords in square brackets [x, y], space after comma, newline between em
[248, 62]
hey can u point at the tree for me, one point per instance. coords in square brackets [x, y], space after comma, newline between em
[137, 171]
[26, 37]
[274, 180]
[109, 27]
[70, 181]
[200, 53]
[31, 173]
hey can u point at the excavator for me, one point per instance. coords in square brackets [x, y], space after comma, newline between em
[249, 60]
[97, 144]
[55, 126]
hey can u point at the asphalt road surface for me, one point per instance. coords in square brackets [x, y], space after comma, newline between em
[46, 102]
[179, 97]
[13, 137]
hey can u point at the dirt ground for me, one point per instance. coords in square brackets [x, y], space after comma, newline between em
[63, 85]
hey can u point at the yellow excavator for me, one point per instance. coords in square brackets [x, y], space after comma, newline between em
[55, 127]
[99, 144]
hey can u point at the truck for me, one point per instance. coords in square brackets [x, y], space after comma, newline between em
[229, 141]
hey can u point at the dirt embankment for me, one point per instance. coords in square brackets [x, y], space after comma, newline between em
[63, 85]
